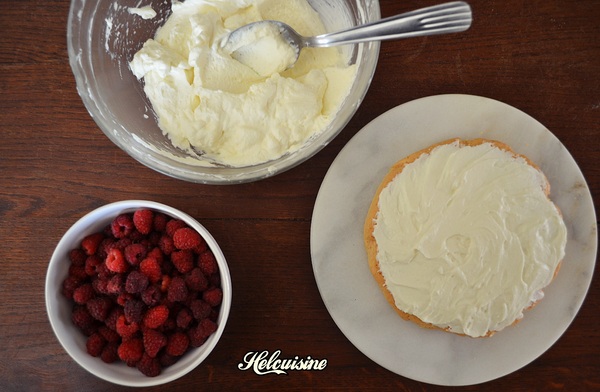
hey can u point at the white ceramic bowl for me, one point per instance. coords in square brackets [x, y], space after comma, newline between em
[102, 38]
[59, 308]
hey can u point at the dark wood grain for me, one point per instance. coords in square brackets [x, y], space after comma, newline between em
[542, 57]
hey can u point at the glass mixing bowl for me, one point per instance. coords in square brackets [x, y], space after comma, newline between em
[103, 36]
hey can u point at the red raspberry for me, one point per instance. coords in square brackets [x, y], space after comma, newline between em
[184, 318]
[90, 243]
[99, 307]
[108, 334]
[77, 257]
[187, 238]
[135, 253]
[201, 332]
[195, 280]
[167, 360]
[149, 366]
[100, 285]
[143, 220]
[122, 226]
[157, 254]
[165, 243]
[177, 291]
[125, 329]
[113, 316]
[91, 263]
[152, 295]
[177, 344]
[77, 271]
[95, 344]
[69, 285]
[160, 222]
[115, 285]
[130, 351]
[136, 282]
[81, 318]
[173, 225]
[213, 296]
[208, 263]
[156, 316]
[183, 260]
[115, 261]
[134, 310]
[83, 293]
[109, 353]
[151, 268]
[200, 309]
[153, 342]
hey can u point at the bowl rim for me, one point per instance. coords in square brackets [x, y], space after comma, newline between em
[53, 293]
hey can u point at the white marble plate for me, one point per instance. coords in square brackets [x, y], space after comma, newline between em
[339, 260]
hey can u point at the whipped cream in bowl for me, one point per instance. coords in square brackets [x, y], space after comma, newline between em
[164, 90]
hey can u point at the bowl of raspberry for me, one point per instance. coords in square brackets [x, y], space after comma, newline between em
[138, 293]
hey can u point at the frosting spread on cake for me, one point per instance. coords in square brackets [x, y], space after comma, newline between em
[467, 237]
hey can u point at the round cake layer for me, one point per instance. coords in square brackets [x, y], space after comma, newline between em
[462, 236]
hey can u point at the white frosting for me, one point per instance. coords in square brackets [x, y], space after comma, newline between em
[206, 100]
[146, 12]
[467, 239]
[262, 48]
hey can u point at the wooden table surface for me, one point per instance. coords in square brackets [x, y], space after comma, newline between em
[540, 56]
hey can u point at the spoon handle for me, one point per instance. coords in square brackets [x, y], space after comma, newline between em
[443, 18]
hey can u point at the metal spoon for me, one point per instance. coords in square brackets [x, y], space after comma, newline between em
[439, 19]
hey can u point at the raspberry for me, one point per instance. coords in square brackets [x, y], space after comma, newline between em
[115, 285]
[77, 271]
[125, 329]
[134, 309]
[109, 353]
[213, 296]
[200, 309]
[160, 222]
[167, 360]
[130, 351]
[183, 260]
[165, 243]
[122, 226]
[152, 295]
[136, 282]
[143, 220]
[177, 291]
[157, 254]
[208, 263]
[81, 318]
[173, 225]
[184, 318]
[135, 253]
[108, 334]
[95, 344]
[100, 286]
[196, 281]
[91, 263]
[99, 307]
[151, 268]
[201, 332]
[77, 257]
[90, 243]
[83, 293]
[177, 344]
[186, 238]
[113, 316]
[153, 342]
[115, 261]
[156, 316]
[149, 366]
